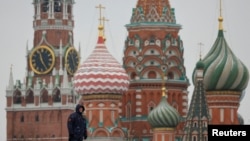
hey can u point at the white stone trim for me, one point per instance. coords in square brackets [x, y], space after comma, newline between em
[138, 103]
[138, 110]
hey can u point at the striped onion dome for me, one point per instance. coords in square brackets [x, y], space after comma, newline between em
[101, 73]
[223, 70]
[164, 115]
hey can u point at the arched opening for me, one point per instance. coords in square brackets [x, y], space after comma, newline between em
[57, 96]
[57, 5]
[17, 98]
[30, 98]
[45, 5]
[151, 75]
[170, 75]
[133, 75]
[44, 97]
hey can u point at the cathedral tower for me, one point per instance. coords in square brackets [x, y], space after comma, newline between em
[101, 81]
[37, 109]
[152, 48]
[225, 79]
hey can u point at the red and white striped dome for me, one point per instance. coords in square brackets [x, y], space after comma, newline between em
[101, 73]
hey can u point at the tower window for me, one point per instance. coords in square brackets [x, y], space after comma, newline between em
[58, 6]
[152, 51]
[194, 138]
[45, 5]
[22, 118]
[37, 118]
[69, 9]
[17, 98]
[151, 108]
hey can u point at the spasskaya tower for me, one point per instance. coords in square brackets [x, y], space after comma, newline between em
[38, 107]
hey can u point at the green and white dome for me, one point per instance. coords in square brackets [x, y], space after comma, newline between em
[223, 70]
[164, 115]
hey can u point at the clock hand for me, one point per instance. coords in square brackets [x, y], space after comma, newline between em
[41, 59]
[72, 59]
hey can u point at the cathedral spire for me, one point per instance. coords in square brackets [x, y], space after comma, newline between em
[11, 80]
[220, 17]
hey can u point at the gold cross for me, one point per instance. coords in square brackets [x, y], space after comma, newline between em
[100, 10]
[200, 45]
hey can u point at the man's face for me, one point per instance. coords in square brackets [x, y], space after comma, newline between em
[80, 109]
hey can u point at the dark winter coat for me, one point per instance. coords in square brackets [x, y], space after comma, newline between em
[77, 125]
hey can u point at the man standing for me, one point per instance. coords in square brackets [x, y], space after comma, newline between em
[77, 125]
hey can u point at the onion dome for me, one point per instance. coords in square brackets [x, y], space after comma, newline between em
[164, 115]
[223, 70]
[241, 119]
[101, 73]
[200, 65]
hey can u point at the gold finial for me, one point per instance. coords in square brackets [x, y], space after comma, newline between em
[220, 18]
[163, 85]
[200, 45]
[103, 19]
[100, 27]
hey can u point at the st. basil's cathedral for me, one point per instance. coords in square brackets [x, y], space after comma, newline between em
[143, 99]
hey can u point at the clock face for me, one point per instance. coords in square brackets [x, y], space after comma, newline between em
[42, 60]
[72, 60]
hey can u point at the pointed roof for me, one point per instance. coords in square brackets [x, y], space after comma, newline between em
[11, 80]
[198, 110]
[153, 12]
[101, 73]
[223, 70]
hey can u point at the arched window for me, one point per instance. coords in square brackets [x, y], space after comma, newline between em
[45, 5]
[44, 97]
[22, 118]
[57, 5]
[69, 9]
[205, 138]
[194, 138]
[37, 118]
[151, 106]
[17, 98]
[57, 96]
[30, 97]
[128, 110]
[170, 75]
[151, 75]
[133, 75]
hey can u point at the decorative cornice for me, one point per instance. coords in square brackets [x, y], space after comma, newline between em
[223, 93]
[102, 96]
[164, 129]
[56, 27]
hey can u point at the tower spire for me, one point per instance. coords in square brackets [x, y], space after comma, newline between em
[220, 17]
[11, 81]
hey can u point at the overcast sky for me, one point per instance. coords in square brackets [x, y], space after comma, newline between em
[199, 20]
